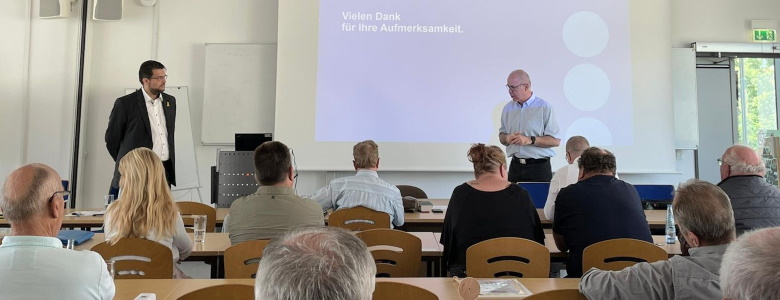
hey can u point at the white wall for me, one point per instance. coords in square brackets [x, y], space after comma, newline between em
[116, 49]
[725, 21]
[37, 87]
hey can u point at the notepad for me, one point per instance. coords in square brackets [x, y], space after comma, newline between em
[88, 213]
[442, 207]
[78, 236]
[502, 288]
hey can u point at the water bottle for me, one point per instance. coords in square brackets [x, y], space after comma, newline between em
[671, 232]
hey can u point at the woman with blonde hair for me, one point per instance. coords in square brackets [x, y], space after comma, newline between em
[145, 208]
[485, 208]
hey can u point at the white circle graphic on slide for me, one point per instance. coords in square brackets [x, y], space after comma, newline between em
[587, 87]
[585, 34]
[594, 130]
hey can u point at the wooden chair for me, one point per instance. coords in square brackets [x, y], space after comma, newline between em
[389, 261]
[222, 291]
[359, 218]
[188, 208]
[568, 294]
[617, 254]
[401, 291]
[138, 258]
[410, 190]
[241, 260]
[508, 257]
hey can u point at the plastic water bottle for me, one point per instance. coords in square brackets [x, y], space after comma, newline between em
[671, 232]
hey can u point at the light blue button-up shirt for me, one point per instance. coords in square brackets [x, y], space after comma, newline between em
[363, 189]
[535, 117]
[37, 267]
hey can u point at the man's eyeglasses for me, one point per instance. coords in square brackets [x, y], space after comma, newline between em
[64, 194]
[720, 162]
[512, 88]
[159, 77]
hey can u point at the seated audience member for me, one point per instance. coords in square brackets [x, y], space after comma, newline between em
[703, 213]
[566, 175]
[145, 208]
[750, 266]
[274, 208]
[488, 207]
[599, 207]
[756, 203]
[364, 188]
[324, 263]
[34, 264]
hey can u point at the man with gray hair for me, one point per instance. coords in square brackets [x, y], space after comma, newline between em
[324, 263]
[750, 265]
[566, 175]
[528, 130]
[703, 213]
[35, 266]
[756, 203]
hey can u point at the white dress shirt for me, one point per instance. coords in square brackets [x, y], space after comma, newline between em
[37, 267]
[563, 177]
[157, 122]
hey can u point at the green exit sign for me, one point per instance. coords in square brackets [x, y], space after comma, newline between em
[764, 35]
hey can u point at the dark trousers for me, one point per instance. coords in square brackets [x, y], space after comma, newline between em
[530, 172]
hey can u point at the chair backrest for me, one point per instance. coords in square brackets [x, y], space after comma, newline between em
[396, 253]
[359, 218]
[222, 291]
[136, 258]
[508, 257]
[568, 294]
[617, 254]
[410, 190]
[194, 208]
[241, 259]
[386, 290]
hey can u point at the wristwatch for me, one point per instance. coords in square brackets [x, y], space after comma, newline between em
[533, 140]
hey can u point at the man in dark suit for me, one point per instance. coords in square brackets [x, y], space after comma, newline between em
[146, 118]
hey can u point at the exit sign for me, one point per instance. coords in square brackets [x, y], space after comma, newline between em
[764, 35]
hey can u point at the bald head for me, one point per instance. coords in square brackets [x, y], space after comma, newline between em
[522, 76]
[26, 190]
[575, 146]
[741, 160]
[750, 266]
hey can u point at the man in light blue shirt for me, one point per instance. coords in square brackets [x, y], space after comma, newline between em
[33, 264]
[528, 130]
[365, 188]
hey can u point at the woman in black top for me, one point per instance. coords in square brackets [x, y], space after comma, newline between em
[485, 208]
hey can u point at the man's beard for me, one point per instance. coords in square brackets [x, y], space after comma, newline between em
[157, 92]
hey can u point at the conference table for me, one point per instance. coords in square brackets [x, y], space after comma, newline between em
[212, 250]
[444, 288]
[425, 221]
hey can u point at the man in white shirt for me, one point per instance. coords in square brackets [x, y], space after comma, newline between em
[566, 175]
[34, 264]
[365, 188]
[146, 118]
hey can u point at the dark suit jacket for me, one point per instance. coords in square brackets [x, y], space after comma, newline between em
[129, 128]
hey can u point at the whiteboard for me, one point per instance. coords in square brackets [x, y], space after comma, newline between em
[186, 162]
[686, 117]
[239, 92]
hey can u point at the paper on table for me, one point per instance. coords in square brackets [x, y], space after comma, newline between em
[442, 207]
[88, 213]
[499, 288]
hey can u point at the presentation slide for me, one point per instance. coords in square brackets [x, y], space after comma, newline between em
[427, 79]
[435, 71]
